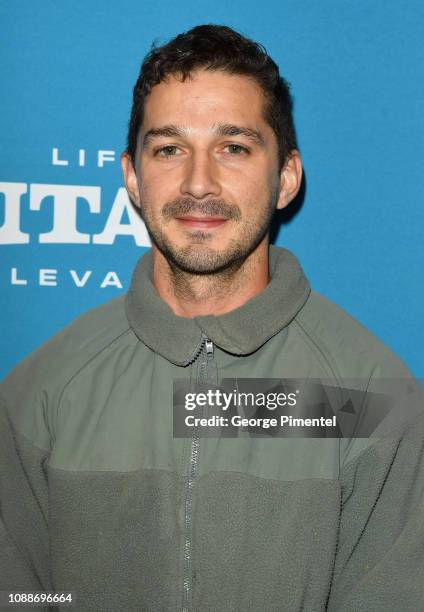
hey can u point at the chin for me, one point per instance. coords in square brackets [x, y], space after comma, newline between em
[205, 261]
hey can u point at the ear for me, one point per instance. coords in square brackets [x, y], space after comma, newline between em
[290, 179]
[130, 178]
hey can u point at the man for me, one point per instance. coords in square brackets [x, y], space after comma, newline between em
[98, 496]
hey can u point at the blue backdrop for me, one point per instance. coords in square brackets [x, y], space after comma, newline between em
[69, 240]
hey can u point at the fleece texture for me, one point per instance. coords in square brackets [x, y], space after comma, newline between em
[98, 497]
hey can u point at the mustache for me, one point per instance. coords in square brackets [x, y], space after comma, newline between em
[213, 208]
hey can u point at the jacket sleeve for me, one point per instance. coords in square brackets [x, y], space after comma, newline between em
[24, 564]
[380, 557]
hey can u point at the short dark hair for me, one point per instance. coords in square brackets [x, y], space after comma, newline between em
[216, 47]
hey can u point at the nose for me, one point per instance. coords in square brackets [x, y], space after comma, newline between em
[200, 176]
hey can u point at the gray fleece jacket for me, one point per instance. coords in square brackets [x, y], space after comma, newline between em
[99, 498]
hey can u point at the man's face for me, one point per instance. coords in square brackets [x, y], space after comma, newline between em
[206, 179]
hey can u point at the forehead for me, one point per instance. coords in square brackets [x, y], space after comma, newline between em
[205, 98]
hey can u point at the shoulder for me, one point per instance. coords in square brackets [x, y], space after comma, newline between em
[78, 342]
[350, 349]
[38, 380]
[359, 361]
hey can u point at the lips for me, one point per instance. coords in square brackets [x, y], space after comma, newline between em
[191, 221]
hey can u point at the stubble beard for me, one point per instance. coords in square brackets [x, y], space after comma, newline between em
[197, 258]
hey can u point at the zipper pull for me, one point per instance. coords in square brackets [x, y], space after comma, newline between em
[209, 349]
[212, 374]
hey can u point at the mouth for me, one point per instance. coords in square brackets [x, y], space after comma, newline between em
[201, 222]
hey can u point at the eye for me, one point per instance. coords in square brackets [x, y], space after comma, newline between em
[236, 149]
[168, 151]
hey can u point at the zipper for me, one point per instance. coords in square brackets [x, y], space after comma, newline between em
[205, 349]
[197, 351]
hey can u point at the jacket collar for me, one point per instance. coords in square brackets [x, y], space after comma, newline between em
[240, 332]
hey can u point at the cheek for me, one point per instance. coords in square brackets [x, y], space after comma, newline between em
[264, 191]
[246, 184]
[153, 198]
[150, 194]
[155, 189]
[254, 193]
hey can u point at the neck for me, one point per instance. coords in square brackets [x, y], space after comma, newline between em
[192, 295]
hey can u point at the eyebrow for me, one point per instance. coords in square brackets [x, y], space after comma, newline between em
[220, 129]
